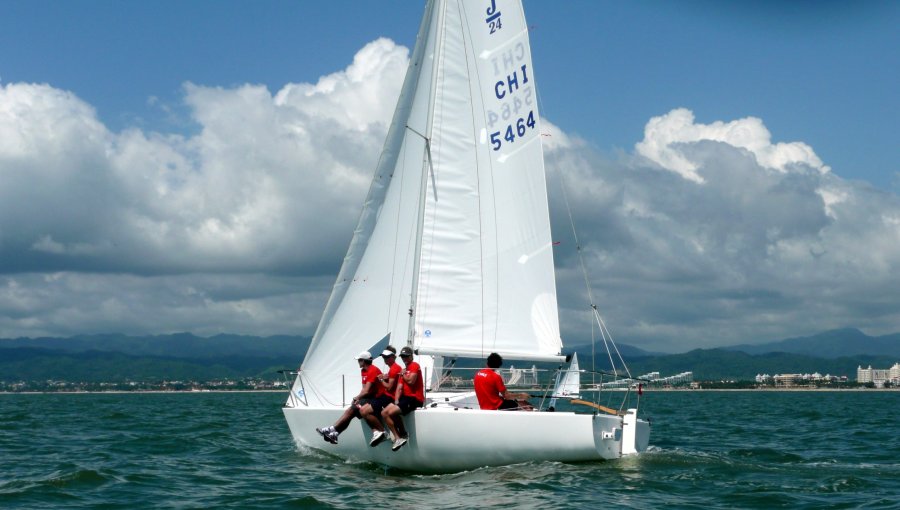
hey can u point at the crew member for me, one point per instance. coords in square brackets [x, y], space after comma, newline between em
[409, 396]
[491, 391]
[370, 388]
[371, 412]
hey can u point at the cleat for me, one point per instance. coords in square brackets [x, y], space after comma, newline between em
[377, 437]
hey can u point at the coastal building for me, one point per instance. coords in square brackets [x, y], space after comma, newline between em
[878, 376]
[653, 379]
[787, 380]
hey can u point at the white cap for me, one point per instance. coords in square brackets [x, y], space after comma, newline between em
[365, 355]
[388, 353]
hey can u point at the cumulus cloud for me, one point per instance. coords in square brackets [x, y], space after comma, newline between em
[714, 235]
[664, 135]
[707, 234]
[235, 196]
[270, 184]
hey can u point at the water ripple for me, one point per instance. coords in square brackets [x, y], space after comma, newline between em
[710, 450]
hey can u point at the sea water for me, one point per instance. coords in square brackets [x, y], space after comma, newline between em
[761, 449]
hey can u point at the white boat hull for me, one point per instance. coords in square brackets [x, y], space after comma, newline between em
[448, 439]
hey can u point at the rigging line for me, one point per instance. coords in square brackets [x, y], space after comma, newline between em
[319, 394]
[584, 270]
[614, 345]
[428, 159]
[603, 331]
[423, 137]
[584, 273]
[594, 356]
[603, 334]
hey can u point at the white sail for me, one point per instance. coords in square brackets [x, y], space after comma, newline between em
[568, 385]
[467, 132]
[486, 281]
[372, 293]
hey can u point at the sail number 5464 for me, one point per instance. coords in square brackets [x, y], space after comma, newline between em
[513, 131]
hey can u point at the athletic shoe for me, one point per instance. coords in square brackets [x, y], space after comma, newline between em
[399, 443]
[377, 437]
[328, 434]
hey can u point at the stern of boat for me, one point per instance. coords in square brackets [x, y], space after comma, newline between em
[619, 436]
[635, 433]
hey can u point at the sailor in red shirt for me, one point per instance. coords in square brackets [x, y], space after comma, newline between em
[491, 391]
[409, 396]
[387, 386]
[370, 389]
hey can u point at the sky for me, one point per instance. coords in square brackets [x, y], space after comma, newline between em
[199, 166]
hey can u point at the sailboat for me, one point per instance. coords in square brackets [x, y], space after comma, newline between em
[568, 382]
[452, 256]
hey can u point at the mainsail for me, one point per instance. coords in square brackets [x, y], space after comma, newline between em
[452, 253]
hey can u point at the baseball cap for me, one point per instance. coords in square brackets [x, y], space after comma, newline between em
[406, 351]
[365, 355]
[388, 353]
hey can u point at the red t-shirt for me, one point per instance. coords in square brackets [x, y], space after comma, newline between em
[393, 373]
[489, 389]
[370, 375]
[417, 390]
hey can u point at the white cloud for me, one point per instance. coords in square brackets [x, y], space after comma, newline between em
[235, 196]
[734, 248]
[709, 234]
[664, 136]
[269, 185]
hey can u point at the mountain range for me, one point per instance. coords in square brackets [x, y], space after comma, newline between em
[830, 345]
[117, 357]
